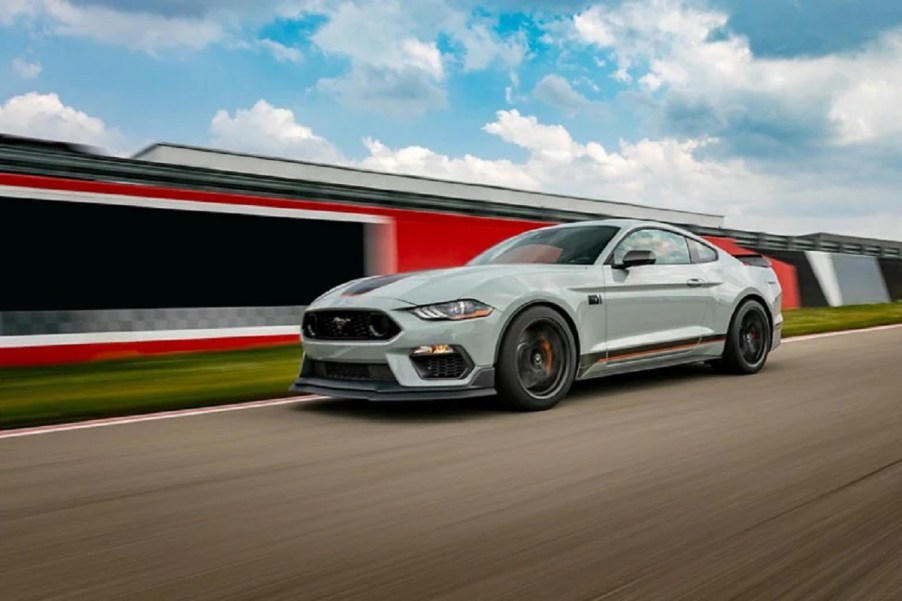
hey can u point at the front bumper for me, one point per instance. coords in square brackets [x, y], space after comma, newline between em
[481, 384]
[475, 338]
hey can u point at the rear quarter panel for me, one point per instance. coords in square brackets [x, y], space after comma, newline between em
[737, 282]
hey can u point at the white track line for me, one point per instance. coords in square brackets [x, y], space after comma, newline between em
[149, 417]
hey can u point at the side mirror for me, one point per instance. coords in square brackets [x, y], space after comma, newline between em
[634, 258]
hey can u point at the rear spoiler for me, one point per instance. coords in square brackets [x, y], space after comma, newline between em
[753, 259]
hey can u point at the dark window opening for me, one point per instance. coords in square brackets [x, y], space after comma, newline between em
[75, 256]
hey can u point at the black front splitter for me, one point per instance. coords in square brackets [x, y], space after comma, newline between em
[482, 385]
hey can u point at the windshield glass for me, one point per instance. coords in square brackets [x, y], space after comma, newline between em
[578, 245]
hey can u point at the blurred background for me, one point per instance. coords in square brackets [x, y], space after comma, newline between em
[180, 179]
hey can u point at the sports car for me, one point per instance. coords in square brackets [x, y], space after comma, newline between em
[530, 315]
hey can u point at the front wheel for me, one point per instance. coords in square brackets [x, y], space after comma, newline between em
[537, 360]
[748, 341]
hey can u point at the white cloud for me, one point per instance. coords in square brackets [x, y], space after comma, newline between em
[582, 80]
[145, 31]
[676, 173]
[416, 160]
[45, 116]
[394, 65]
[395, 61]
[270, 130]
[157, 27]
[403, 93]
[867, 109]
[639, 31]
[382, 35]
[392, 45]
[549, 141]
[25, 69]
[423, 56]
[557, 92]
[682, 50]
[664, 173]
[668, 173]
[10, 10]
[482, 46]
[281, 52]
[510, 92]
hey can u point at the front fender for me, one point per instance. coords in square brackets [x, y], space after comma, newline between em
[569, 312]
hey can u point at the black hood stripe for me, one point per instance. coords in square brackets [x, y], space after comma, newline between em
[374, 283]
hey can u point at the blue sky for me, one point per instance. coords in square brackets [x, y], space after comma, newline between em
[780, 114]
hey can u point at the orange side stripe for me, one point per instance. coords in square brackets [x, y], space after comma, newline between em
[659, 350]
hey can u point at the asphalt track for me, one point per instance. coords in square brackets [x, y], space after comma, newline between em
[679, 485]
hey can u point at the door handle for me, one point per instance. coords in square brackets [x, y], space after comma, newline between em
[695, 282]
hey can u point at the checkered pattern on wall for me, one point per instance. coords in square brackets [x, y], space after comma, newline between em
[28, 323]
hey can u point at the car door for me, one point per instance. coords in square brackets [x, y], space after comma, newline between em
[654, 311]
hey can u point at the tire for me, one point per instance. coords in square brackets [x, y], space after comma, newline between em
[748, 340]
[537, 360]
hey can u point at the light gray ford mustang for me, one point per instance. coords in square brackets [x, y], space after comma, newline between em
[531, 315]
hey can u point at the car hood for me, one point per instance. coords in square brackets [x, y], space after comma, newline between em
[479, 282]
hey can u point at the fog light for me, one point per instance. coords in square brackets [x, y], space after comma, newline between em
[435, 349]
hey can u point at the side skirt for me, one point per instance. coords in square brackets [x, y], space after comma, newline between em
[650, 356]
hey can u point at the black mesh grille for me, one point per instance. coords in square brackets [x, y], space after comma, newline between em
[368, 372]
[349, 325]
[441, 367]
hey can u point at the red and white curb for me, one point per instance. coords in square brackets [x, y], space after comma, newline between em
[149, 417]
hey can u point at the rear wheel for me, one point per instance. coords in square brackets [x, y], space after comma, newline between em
[748, 341]
[537, 361]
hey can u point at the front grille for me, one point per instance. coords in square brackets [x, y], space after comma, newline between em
[349, 325]
[360, 372]
[441, 367]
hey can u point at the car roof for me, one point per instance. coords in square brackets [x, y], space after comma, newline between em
[620, 223]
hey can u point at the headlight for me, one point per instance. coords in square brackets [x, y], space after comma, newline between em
[453, 311]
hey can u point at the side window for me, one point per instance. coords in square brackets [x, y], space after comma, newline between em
[669, 248]
[701, 253]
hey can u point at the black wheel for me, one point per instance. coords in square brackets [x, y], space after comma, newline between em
[537, 360]
[748, 341]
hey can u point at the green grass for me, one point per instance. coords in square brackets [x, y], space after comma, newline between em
[798, 322]
[41, 395]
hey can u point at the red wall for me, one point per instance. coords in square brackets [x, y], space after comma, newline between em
[433, 240]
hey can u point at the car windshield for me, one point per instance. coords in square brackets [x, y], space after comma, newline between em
[576, 245]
